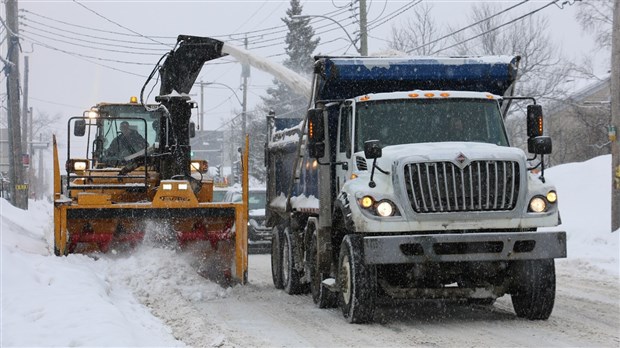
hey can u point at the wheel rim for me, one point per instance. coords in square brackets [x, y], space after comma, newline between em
[285, 260]
[345, 284]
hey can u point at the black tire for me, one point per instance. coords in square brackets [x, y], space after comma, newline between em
[321, 296]
[533, 293]
[290, 275]
[276, 257]
[357, 281]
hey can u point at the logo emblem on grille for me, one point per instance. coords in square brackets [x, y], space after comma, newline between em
[461, 161]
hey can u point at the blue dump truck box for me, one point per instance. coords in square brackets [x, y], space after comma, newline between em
[344, 78]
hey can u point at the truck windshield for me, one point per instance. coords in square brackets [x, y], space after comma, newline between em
[123, 130]
[405, 121]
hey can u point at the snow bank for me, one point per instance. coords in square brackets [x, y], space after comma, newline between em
[585, 206]
[64, 301]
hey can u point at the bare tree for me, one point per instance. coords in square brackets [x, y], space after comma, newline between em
[596, 17]
[581, 132]
[542, 71]
[419, 33]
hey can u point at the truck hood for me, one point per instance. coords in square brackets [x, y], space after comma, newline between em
[446, 151]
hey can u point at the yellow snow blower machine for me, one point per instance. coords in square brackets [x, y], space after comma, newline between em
[136, 180]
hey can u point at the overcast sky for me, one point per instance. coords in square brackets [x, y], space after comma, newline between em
[84, 52]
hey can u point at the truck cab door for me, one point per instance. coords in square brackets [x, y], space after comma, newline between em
[343, 150]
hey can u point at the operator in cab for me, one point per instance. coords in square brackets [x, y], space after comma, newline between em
[126, 143]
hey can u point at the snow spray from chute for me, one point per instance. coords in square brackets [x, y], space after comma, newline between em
[293, 80]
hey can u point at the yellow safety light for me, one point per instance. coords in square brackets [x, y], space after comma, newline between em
[366, 202]
[311, 129]
[552, 196]
[413, 95]
[490, 96]
[133, 99]
[429, 95]
[364, 98]
[445, 95]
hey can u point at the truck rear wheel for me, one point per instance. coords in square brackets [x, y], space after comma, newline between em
[290, 275]
[321, 296]
[357, 281]
[533, 293]
[276, 257]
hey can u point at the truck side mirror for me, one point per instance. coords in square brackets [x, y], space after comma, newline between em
[79, 128]
[316, 129]
[539, 145]
[534, 121]
[192, 130]
[316, 133]
[372, 149]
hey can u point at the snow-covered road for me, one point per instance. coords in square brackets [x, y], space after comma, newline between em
[587, 313]
[155, 298]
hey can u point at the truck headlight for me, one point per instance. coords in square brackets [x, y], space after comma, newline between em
[367, 202]
[552, 197]
[385, 208]
[76, 165]
[538, 204]
[79, 166]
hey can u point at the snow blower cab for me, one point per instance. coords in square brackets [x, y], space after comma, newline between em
[134, 180]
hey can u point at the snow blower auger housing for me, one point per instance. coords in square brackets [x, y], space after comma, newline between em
[136, 182]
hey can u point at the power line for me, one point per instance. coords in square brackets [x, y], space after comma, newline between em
[94, 29]
[118, 24]
[380, 14]
[105, 49]
[469, 26]
[499, 26]
[34, 41]
[47, 27]
[394, 14]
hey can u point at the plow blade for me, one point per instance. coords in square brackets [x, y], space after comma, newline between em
[88, 220]
[213, 232]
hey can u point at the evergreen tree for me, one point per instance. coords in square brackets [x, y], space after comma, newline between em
[299, 48]
[280, 99]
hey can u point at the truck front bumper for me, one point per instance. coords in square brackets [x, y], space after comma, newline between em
[464, 247]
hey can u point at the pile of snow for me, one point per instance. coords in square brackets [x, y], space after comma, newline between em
[584, 198]
[85, 301]
[141, 299]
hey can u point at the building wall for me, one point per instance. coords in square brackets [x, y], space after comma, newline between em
[578, 126]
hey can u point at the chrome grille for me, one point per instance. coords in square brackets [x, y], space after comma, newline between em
[480, 186]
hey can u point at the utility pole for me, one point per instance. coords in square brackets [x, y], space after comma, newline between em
[17, 189]
[25, 107]
[614, 127]
[363, 29]
[245, 73]
[26, 130]
[202, 106]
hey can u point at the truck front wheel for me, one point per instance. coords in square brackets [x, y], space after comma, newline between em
[357, 281]
[533, 293]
